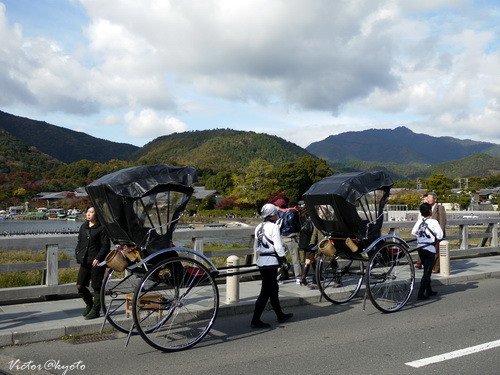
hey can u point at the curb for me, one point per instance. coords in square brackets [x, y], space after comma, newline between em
[243, 307]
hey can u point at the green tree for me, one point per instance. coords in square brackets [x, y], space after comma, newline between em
[100, 169]
[412, 200]
[256, 185]
[222, 182]
[463, 200]
[207, 203]
[296, 177]
[440, 184]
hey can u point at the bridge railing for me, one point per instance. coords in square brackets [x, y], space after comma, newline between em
[482, 232]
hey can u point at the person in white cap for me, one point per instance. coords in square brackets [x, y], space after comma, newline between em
[270, 252]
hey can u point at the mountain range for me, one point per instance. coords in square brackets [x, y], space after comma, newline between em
[63, 144]
[399, 145]
[400, 151]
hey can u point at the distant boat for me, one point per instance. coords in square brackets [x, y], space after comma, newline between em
[56, 213]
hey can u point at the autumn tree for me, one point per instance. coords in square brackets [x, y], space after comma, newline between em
[19, 193]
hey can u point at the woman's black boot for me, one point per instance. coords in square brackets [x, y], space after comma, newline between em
[87, 298]
[96, 308]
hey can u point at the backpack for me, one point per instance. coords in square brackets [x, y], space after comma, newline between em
[289, 223]
[422, 233]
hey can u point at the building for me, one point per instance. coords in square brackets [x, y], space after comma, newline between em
[486, 195]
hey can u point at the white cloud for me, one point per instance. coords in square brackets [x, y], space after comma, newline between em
[299, 52]
[111, 120]
[148, 124]
[431, 62]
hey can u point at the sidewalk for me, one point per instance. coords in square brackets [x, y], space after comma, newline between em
[43, 321]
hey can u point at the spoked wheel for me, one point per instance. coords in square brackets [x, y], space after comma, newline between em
[339, 280]
[175, 304]
[117, 294]
[391, 277]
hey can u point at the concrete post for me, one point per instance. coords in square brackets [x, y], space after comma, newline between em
[444, 258]
[394, 231]
[464, 231]
[232, 282]
[494, 236]
[52, 265]
[198, 245]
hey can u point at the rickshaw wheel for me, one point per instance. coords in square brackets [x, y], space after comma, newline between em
[116, 297]
[339, 280]
[175, 304]
[391, 277]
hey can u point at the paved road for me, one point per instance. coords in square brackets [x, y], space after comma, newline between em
[323, 339]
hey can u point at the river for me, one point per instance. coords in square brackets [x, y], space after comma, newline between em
[27, 227]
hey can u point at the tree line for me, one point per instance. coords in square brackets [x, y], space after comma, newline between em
[244, 188]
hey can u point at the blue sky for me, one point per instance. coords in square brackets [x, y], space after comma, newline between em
[130, 71]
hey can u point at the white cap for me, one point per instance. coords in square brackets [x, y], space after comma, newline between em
[268, 209]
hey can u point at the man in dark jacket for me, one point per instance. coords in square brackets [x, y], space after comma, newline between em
[289, 230]
[438, 213]
[305, 235]
[92, 247]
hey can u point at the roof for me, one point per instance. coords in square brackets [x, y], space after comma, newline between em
[53, 195]
[80, 192]
[489, 191]
[201, 193]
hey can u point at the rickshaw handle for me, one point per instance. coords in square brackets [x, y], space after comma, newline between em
[211, 265]
[383, 238]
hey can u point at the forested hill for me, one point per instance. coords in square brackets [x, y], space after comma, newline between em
[474, 165]
[399, 145]
[61, 143]
[17, 157]
[219, 149]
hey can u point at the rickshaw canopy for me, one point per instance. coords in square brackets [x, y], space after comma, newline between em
[132, 201]
[333, 203]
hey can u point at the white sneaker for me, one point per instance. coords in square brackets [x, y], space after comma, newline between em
[297, 281]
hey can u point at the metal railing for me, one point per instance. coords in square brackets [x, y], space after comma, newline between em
[485, 230]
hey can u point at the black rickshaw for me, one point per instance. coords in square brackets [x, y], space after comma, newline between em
[348, 209]
[167, 294]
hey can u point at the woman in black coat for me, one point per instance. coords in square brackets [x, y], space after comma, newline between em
[92, 247]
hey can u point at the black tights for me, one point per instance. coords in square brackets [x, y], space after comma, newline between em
[268, 292]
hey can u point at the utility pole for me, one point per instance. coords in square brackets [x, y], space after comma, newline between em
[419, 184]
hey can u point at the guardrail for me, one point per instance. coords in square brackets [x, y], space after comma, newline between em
[52, 244]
